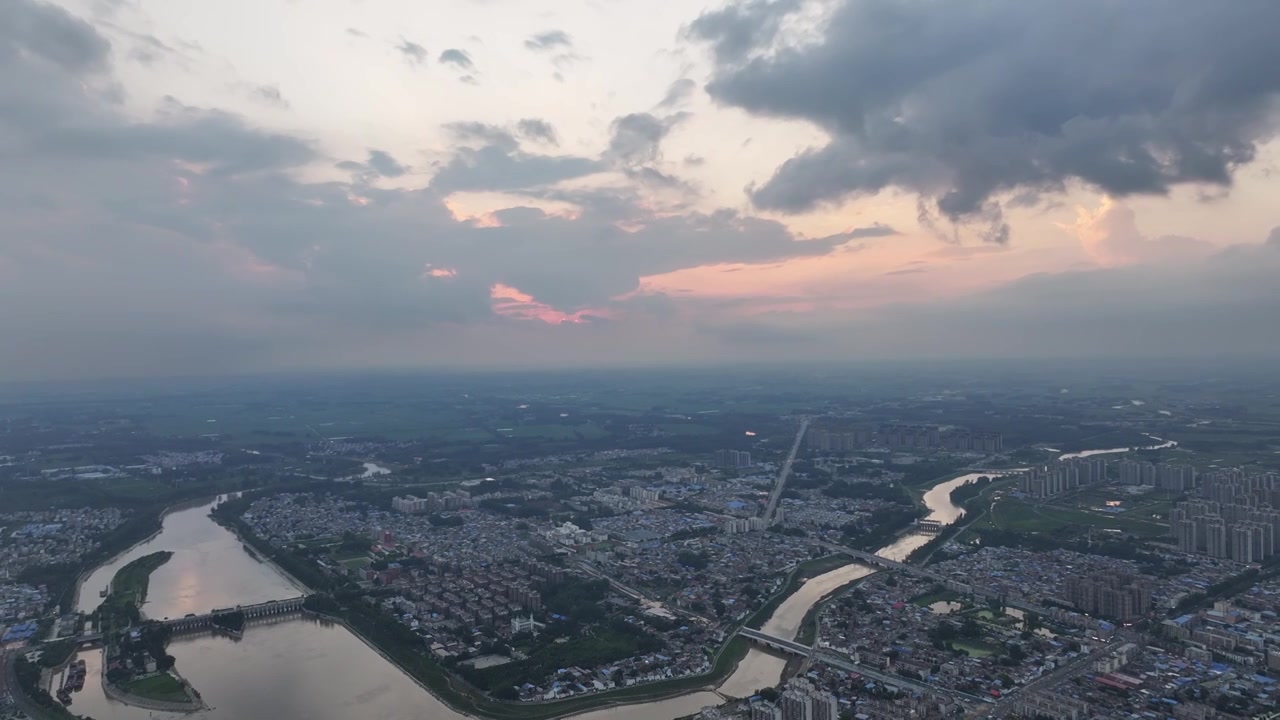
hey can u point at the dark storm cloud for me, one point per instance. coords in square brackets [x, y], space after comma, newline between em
[221, 142]
[637, 138]
[656, 178]
[595, 261]
[679, 91]
[500, 167]
[412, 51]
[52, 34]
[536, 129]
[871, 231]
[961, 102]
[743, 27]
[472, 131]
[457, 58]
[549, 41]
[385, 164]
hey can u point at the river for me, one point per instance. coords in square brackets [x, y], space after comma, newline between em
[1161, 444]
[302, 668]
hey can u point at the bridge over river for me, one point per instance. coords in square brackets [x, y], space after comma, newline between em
[948, 582]
[838, 661]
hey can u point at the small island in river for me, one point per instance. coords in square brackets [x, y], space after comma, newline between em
[138, 670]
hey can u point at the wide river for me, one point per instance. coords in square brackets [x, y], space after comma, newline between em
[300, 668]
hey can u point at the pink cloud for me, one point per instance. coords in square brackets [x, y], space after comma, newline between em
[513, 303]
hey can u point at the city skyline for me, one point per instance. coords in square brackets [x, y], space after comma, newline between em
[274, 186]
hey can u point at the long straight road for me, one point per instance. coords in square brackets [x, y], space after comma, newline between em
[771, 509]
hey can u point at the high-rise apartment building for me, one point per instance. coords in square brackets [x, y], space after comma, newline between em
[764, 710]
[1184, 531]
[1236, 516]
[1054, 479]
[1122, 597]
[1215, 538]
[732, 459]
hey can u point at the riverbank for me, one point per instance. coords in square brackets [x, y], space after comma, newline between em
[94, 565]
[799, 576]
[169, 684]
[462, 700]
[262, 552]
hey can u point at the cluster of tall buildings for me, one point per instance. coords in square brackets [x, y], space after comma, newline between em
[1237, 516]
[448, 500]
[732, 459]
[737, 526]
[904, 437]
[1121, 597]
[1166, 476]
[800, 701]
[1063, 476]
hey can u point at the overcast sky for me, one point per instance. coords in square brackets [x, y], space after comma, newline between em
[194, 187]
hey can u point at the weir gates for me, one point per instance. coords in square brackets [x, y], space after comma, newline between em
[251, 612]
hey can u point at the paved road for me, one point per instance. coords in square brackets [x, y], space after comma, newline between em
[1044, 682]
[781, 484]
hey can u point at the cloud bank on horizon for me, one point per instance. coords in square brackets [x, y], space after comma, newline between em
[917, 182]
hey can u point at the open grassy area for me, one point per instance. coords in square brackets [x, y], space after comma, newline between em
[163, 687]
[975, 648]
[131, 581]
[1018, 515]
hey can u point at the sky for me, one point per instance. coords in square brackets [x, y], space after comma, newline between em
[190, 187]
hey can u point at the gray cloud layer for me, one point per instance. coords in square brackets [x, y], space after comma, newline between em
[457, 58]
[1220, 307]
[549, 40]
[185, 244]
[961, 102]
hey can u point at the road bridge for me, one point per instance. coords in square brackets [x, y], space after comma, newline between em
[838, 661]
[776, 643]
[828, 657]
[950, 583]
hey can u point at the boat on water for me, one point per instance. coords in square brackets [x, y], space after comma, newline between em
[78, 678]
[64, 696]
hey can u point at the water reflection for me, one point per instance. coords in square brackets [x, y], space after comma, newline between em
[1163, 444]
[287, 670]
[209, 569]
[303, 669]
[938, 500]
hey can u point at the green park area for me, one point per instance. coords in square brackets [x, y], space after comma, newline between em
[974, 648]
[162, 686]
[131, 581]
[1016, 515]
[123, 605]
